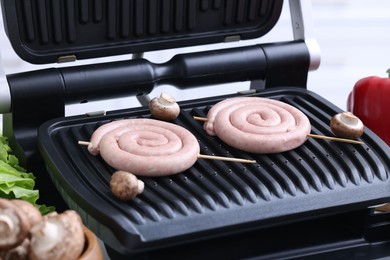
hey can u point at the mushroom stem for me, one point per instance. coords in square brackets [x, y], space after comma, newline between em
[140, 186]
[49, 237]
[6, 224]
[166, 99]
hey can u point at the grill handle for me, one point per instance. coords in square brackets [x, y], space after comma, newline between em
[283, 64]
[136, 77]
[80, 84]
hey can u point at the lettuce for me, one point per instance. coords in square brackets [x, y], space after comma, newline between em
[15, 182]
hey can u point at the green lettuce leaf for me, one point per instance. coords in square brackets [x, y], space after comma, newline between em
[15, 182]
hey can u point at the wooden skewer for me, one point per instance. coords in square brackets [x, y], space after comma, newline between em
[204, 156]
[337, 139]
[230, 159]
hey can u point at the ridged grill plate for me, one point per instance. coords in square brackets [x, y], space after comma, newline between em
[213, 198]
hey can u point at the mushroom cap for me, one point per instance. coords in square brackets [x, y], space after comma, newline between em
[58, 236]
[346, 125]
[34, 216]
[164, 107]
[125, 186]
[14, 225]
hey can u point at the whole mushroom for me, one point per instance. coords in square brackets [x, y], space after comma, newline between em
[125, 186]
[164, 107]
[33, 216]
[14, 225]
[58, 236]
[347, 125]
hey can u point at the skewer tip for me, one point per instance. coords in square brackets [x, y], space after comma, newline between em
[204, 119]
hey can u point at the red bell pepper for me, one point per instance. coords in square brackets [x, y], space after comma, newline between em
[370, 101]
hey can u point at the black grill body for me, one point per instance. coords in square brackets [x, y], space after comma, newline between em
[215, 199]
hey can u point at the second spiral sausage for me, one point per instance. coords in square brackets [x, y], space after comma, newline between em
[258, 125]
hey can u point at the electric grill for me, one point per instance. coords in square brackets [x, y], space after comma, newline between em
[317, 200]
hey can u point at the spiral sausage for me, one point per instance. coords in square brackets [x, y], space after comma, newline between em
[258, 125]
[145, 147]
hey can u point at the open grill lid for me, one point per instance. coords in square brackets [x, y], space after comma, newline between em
[214, 198]
[54, 31]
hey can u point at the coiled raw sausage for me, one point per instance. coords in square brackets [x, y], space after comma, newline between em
[145, 147]
[258, 125]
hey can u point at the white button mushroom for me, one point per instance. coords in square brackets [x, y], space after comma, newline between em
[14, 225]
[164, 107]
[26, 234]
[32, 217]
[346, 125]
[58, 236]
[125, 186]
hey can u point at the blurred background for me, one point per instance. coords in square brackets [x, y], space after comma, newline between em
[353, 35]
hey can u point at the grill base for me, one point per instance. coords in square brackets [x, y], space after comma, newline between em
[362, 234]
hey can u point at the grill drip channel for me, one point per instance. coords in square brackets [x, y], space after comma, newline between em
[214, 198]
